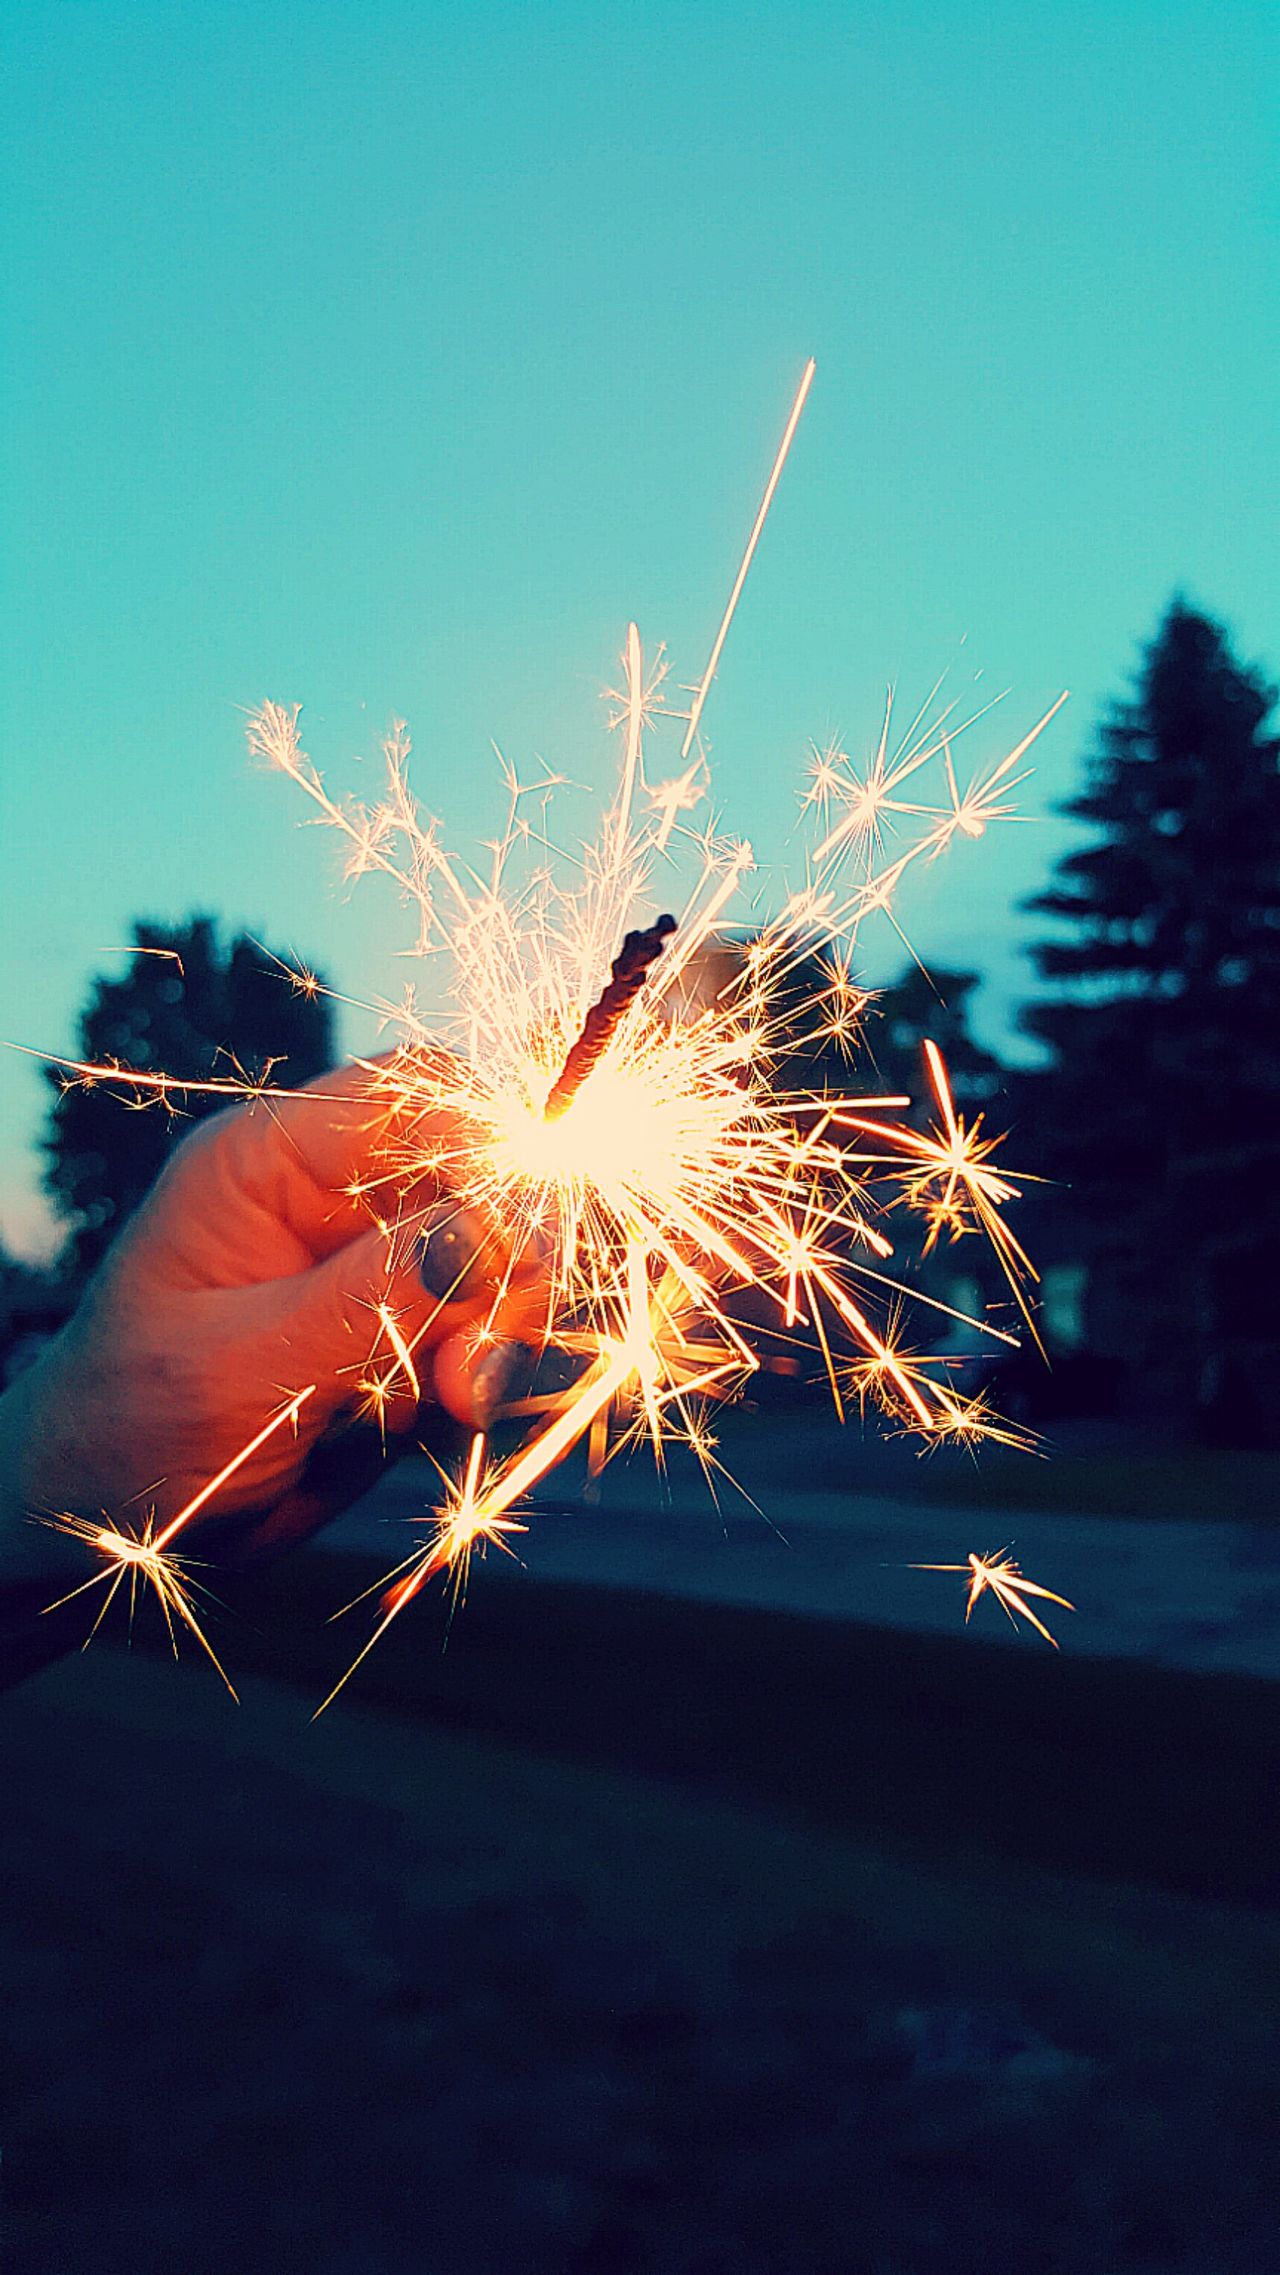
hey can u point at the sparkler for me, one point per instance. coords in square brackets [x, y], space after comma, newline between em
[612, 1090]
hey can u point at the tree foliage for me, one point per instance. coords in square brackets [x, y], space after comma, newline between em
[1161, 1103]
[932, 1005]
[188, 1007]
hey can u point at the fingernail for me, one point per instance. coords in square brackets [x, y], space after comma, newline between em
[502, 1374]
[447, 1253]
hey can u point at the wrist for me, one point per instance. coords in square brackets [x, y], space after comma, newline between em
[32, 1549]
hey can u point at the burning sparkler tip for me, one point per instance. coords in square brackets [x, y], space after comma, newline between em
[631, 966]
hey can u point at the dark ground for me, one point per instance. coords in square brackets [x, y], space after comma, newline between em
[1095, 1466]
[374, 1997]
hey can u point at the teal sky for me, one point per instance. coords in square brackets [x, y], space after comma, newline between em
[388, 358]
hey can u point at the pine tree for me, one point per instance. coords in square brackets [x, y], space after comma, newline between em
[1161, 1104]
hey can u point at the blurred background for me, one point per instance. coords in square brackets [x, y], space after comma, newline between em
[717, 1901]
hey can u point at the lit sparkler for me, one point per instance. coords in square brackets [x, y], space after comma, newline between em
[611, 1088]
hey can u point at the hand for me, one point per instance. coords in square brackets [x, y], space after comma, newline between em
[251, 1272]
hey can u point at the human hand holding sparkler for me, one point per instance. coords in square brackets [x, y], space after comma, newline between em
[638, 1133]
[228, 1337]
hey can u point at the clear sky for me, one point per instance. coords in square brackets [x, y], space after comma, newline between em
[389, 357]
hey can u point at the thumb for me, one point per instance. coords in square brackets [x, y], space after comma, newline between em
[361, 1317]
[369, 1332]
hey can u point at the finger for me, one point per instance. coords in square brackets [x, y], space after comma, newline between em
[363, 1308]
[365, 1323]
[291, 1179]
[474, 1377]
[337, 1472]
[390, 1325]
[467, 1360]
[480, 1366]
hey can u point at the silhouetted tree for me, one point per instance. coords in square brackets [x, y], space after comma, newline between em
[1161, 1105]
[185, 1006]
[837, 1041]
[932, 1005]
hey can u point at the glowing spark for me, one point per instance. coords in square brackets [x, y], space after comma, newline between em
[86, 1074]
[287, 1414]
[679, 796]
[1007, 1584]
[638, 702]
[145, 1556]
[704, 687]
[391, 1329]
[952, 1184]
[167, 955]
[137, 1559]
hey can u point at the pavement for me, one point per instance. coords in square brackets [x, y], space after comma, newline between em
[1199, 1596]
